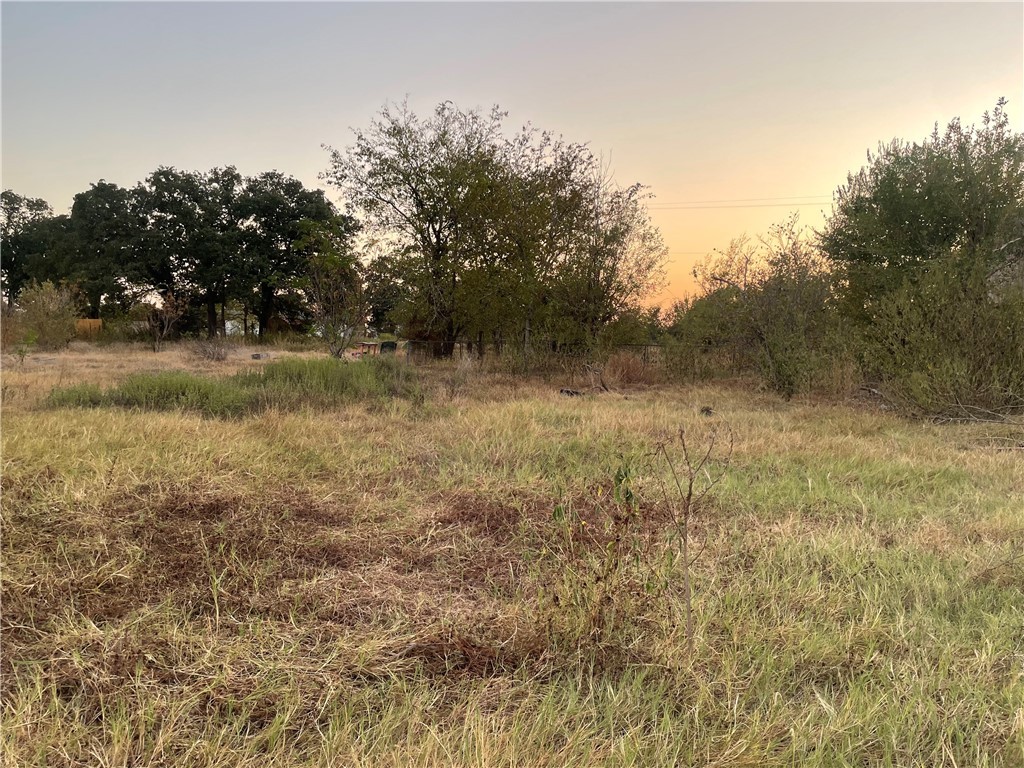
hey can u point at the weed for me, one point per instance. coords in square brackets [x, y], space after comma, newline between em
[695, 471]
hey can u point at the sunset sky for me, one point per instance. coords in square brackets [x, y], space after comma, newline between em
[735, 114]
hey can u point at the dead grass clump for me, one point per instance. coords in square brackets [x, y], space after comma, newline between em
[481, 516]
[215, 350]
[206, 550]
[629, 369]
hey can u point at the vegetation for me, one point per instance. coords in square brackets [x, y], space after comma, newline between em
[465, 238]
[497, 239]
[367, 582]
[44, 318]
[209, 559]
[288, 384]
[913, 287]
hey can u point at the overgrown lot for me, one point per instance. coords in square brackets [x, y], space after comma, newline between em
[396, 580]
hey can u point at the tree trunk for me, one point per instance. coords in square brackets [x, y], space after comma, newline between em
[266, 309]
[211, 316]
[446, 346]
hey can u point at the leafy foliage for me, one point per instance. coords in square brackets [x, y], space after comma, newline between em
[944, 346]
[334, 284]
[45, 317]
[495, 238]
[767, 303]
[958, 193]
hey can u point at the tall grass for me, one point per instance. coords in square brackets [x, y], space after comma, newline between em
[289, 384]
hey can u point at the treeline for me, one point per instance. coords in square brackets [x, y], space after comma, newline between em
[458, 232]
[914, 287]
[455, 231]
[208, 238]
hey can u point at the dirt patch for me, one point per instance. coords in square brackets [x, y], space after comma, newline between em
[204, 549]
[216, 555]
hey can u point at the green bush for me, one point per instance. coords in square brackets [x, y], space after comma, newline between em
[45, 316]
[78, 396]
[946, 346]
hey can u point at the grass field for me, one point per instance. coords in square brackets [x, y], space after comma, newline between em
[392, 579]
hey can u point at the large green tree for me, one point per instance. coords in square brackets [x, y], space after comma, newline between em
[425, 185]
[958, 194]
[496, 235]
[191, 243]
[99, 247]
[26, 233]
[274, 212]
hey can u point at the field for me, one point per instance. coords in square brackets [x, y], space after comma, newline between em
[413, 577]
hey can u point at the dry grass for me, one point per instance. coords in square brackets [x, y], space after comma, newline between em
[365, 585]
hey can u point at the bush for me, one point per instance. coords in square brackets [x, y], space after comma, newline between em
[767, 307]
[212, 350]
[944, 346]
[44, 317]
[79, 396]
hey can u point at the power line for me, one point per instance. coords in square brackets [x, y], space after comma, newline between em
[715, 207]
[745, 200]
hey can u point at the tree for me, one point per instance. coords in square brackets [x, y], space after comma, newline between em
[958, 193]
[98, 249]
[385, 292]
[272, 211]
[490, 234]
[616, 262]
[192, 237]
[424, 184]
[162, 316]
[26, 232]
[333, 282]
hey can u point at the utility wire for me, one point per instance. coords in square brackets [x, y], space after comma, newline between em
[746, 200]
[715, 207]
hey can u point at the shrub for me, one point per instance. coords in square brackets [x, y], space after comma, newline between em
[45, 316]
[626, 368]
[213, 350]
[944, 346]
[78, 396]
[767, 307]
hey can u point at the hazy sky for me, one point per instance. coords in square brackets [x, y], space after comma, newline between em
[746, 105]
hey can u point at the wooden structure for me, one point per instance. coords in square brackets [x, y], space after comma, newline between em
[88, 329]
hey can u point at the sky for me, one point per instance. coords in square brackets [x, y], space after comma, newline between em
[734, 114]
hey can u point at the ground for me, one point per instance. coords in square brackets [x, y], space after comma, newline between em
[411, 581]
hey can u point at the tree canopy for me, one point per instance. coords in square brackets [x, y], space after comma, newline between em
[958, 194]
[492, 236]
